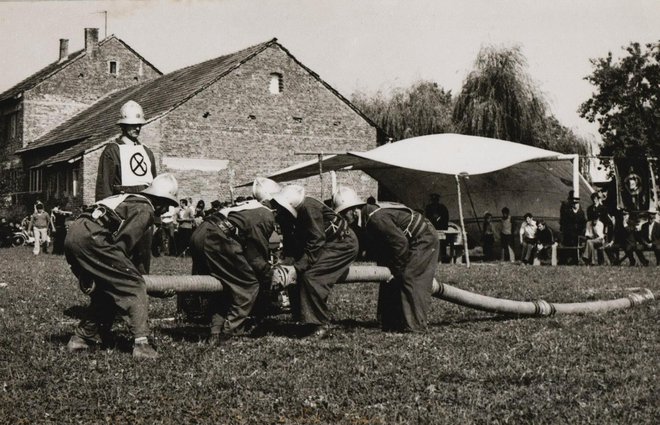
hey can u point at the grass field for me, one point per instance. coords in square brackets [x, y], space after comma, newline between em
[470, 367]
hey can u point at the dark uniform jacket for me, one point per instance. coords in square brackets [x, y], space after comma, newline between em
[252, 229]
[108, 179]
[305, 236]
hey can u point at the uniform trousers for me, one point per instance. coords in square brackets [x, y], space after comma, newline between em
[215, 253]
[315, 283]
[404, 302]
[119, 286]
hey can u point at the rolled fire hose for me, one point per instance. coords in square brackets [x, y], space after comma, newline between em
[539, 308]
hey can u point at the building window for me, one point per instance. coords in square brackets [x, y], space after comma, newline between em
[13, 126]
[74, 182]
[276, 83]
[35, 180]
[113, 67]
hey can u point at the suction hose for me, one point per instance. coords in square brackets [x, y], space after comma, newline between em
[368, 273]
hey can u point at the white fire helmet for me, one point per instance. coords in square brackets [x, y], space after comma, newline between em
[131, 113]
[345, 198]
[290, 198]
[164, 186]
[263, 189]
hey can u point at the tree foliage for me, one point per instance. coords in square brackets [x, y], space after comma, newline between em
[498, 99]
[626, 103]
[423, 108]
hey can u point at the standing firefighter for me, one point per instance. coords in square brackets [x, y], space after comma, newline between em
[232, 246]
[321, 247]
[404, 241]
[127, 166]
[98, 248]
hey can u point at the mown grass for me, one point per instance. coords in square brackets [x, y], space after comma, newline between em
[470, 367]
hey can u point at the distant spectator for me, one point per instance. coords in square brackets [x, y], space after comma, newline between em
[545, 243]
[633, 244]
[506, 236]
[185, 218]
[168, 231]
[215, 207]
[40, 224]
[572, 225]
[651, 236]
[371, 200]
[6, 232]
[59, 221]
[438, 215]
[199, 212]
[527, 238]
[595, 234]
[488, 237]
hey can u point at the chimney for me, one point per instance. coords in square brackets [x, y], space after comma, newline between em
[64, 49]
[91, 40]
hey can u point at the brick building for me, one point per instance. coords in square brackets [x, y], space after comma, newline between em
[56, 93]
[216, 124]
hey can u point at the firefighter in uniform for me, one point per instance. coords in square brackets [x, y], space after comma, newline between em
[321, 247]
[232, 246]
[127, 166]
[404, 241]
[98, 248]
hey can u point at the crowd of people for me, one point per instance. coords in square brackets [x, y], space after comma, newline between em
[593, 238]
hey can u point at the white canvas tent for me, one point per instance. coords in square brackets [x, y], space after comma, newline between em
[413, 168]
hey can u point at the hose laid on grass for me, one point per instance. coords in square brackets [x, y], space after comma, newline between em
[539, 308]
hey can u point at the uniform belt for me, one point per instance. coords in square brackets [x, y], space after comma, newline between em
[227, 227]
[104, 218]
[416, 226]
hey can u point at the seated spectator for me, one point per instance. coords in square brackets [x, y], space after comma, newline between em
[527, 238]
[488, 237]
[546, 247]
[595, 239]
[651, 236]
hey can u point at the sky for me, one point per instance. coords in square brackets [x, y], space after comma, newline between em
[354, 45]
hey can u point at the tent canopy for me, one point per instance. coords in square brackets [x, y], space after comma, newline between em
[437, 153]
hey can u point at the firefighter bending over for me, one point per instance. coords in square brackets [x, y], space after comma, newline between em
[405, 242]
[98, 247]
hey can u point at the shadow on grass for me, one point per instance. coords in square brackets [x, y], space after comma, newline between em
[115, 342]
[444, 323]
[187, 333]
[76, 312]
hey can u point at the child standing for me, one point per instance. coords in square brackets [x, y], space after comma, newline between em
[506, 238]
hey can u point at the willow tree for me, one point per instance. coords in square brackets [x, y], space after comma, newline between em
[423, 108]
[499, 99]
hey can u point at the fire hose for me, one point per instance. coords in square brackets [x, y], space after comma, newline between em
[285, 275]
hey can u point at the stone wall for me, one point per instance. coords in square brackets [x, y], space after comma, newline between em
[238, 119]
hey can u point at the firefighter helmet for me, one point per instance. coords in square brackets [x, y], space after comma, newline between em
[345, 198]
[290, 198]
[164, 186]
[131, 113]
[263, 189]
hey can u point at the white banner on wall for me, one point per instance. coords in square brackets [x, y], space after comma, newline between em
[199, 164]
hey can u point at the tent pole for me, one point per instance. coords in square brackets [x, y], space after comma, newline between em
[654, 188]
[576, 175]
[460, 215]
[320, 156]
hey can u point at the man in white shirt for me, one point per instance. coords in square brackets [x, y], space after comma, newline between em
[595, 234]
[527, 238]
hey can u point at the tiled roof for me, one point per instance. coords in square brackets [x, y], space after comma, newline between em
[39, 76]
[98, 123]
